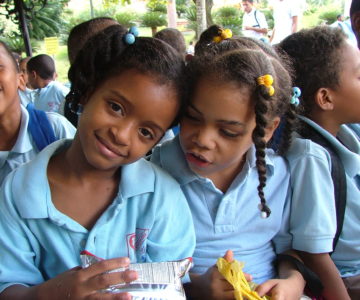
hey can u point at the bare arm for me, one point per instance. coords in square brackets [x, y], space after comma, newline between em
[324, 267]
[294, 25]
[256, 29]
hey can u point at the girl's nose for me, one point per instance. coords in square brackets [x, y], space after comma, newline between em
[204, 138]
[122, 133]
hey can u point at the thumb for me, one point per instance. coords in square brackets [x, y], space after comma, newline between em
[229, 256]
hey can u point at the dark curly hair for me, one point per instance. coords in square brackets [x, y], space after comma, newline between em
[316, 59]
[106, 55]
[244, 67]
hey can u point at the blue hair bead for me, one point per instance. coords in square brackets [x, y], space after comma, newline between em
[296, 91]
[129, 38]
[134, 30]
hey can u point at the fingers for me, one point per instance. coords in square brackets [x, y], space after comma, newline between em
[104, 280]
[266, 287]
[109, 296]
[248, 277]
[229, 256]
[107, 265]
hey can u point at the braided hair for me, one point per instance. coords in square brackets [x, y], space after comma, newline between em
[244, 67]
[106, 55]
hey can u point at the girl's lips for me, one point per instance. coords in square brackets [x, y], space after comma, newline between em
[197, 160]
[107, 150]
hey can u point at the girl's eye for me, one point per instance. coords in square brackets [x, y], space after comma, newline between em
[146, 133]
[115, 107]
[230, 134]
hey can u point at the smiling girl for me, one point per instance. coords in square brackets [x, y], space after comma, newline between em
[95, 193]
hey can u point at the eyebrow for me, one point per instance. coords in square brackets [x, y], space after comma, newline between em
[123, 98]
[226, 122]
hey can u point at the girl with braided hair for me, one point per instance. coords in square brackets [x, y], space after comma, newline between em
[95, 192]
[221, 158]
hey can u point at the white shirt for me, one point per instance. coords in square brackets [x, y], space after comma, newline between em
[283, 12]
[255, 19]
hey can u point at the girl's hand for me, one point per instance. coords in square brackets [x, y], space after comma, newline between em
[78, 283]
[283, 289]
[212, 285]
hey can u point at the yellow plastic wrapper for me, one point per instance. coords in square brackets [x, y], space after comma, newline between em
[232, 271]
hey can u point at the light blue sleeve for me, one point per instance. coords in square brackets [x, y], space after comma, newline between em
[172, 236]
[62, 127]
[283, 239]
[313, 213]
[17, 245]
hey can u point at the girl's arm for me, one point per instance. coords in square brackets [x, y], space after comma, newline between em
[324, 267]
[77, 283]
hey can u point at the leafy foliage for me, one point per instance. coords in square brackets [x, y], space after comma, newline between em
[229, 17]
[127, 19]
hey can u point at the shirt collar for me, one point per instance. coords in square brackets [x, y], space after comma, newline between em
[348, 149]
[23, 142]
[37, 189]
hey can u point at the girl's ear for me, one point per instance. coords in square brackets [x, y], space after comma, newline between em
[22, 84]
[324, 99]
[269, 130]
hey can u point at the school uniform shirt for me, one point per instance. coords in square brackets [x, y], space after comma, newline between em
[313, 212]
[25, 148]
[232, 220]
[49, 98]
[255, 19]
[26, 96]
[148, 221]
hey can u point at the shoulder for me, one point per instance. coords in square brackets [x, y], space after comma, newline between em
[62, 127]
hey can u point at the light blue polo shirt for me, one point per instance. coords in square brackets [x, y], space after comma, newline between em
[232, 220]
[50, 97]
[26, 96]
[148, 221]
[25, 148]
[313, 213]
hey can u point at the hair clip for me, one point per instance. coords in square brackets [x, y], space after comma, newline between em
[265, 210]
[223, 35]
[130, 36]
[267, 80]
[295, 97]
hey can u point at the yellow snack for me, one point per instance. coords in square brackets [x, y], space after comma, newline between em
[232, 271]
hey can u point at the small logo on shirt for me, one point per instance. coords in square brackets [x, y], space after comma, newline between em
[136, 242]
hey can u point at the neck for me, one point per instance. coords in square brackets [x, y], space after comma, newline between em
[10, 122]
[74, 163]
[327, 121]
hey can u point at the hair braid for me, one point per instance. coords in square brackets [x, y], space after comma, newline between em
[258, 136]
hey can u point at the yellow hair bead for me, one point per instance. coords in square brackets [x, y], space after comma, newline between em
[267, 80]
[232, 271]
[223, 35]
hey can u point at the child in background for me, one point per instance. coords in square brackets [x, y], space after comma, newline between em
[235, 103]
[174, 38]
[77, 39]
[49, 93]
[17, 145]
[327, 70]
[25, 91]
[95, 193]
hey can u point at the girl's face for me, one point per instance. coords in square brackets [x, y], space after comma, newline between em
[347, 94]
[217, 128]
[124, 118]
[9, 82]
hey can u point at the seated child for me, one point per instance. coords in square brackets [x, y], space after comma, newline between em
[327, 72]
[49, 93]
[17, 145]
[95, 192]
[234, 104]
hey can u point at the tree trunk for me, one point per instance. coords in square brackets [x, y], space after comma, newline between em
[19, 7]
[200, 16]
[171, 13]
[153, 30]
[209, 5]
